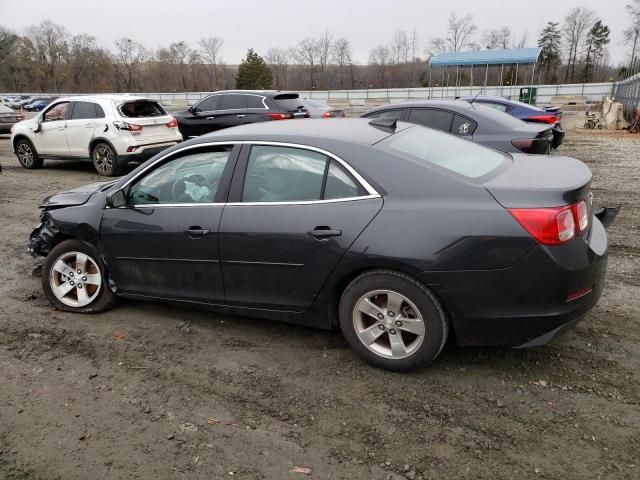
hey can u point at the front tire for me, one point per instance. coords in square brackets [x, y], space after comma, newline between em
[27, 154]
[73, 279]
[392, 321]
[105, 160]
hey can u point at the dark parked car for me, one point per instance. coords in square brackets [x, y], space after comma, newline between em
[474, 122]
[396, 233]
[319, 109]
[8, 117]
[551, 115]
[38, 104]
[238, 107]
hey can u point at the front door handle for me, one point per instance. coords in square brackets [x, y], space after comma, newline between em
[196, 232]
[211, 118]
[323, 232]
[240, 115]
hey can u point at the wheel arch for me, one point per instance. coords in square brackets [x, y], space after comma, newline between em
[21, 136]
[96, 141]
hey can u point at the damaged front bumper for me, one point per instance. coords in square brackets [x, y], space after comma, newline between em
[41, 239]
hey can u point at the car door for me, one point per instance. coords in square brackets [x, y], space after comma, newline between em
[164, 242]
[256, 109]
[51, 139]
[293, 213]
[232, 111]
[81, 127]
[200, 118]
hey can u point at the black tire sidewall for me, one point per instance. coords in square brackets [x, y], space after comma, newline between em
[105, 299]
[116, 168]
[433, 315]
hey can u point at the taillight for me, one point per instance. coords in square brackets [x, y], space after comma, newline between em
[328, 115]
[20, 117]
[554, 225]
[280, 116]
[523, 144]
[132, 127]
[173, 123]
[551, 119]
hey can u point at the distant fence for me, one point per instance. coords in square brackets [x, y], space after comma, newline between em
[627, 92]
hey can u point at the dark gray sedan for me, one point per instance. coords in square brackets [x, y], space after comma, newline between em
[474, 122]
[8, 118]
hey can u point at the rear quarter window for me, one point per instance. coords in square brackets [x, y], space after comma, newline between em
[434, 148]
[141, 108]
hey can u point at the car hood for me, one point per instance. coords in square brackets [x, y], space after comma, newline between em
[75, 196]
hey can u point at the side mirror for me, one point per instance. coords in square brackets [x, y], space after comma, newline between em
[116, 199]
[39, 126]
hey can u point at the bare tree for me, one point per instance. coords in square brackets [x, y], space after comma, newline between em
[497, 39]
[324, 43]
[50, 44]
[460, 32]
[128, 57]
[522, 41]
[632, 34]
[278, 60]
[576, 24]
[211, 51]
[177, 55]
[86, 62]
[343, 57]
[380, 57]
[194, 58]
[307, 53]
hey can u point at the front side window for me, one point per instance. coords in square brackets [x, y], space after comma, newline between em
[432, 118]
[232, 102]
[209, 104]
[57, 112]
[191, 177]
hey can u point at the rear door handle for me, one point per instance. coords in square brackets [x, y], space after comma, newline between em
[241, 115]
[324, 232]
[196, 232]
[211, 117]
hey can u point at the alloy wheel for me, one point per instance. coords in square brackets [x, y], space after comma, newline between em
[75, 279]
[25, 154]
[388, 324]
[103, 159]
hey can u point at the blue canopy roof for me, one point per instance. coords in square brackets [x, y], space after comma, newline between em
[486, 57]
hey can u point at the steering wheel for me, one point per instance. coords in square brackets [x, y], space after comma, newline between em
[179, 187]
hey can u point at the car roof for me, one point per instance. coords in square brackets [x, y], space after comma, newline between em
[255, 92]
[351, 130]
[456, 105]
[106, 97]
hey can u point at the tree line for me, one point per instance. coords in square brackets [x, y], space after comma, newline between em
[48, 58]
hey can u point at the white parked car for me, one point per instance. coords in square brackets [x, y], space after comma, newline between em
[110, 130]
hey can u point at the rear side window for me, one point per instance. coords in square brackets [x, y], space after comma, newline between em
[209, 104]
[142, 108]
[397, 114]
[433, 148]
[254, 101]
[84, 110]
[432, 118]
[463, 125]
[232, 102]
[340, 184]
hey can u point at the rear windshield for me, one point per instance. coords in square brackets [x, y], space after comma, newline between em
[432, 147]
[142, 108]
[288, 101]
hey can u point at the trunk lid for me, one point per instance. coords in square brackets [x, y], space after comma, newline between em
[540, 181]
[534, 138]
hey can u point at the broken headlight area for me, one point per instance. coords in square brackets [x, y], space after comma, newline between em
[42, 237]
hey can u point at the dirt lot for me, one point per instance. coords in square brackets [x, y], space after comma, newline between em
[151, 391]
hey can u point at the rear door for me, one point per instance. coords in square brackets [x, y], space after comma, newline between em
[164, 242]
[52, 137]
[81, 127]
[232, 111]
[292, 215]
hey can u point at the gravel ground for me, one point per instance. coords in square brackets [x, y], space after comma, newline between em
[150, 391]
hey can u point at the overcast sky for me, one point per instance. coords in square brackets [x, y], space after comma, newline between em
[263, 24]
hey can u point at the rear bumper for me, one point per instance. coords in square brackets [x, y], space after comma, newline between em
[527, 304]
[558, 136]
[144, 152]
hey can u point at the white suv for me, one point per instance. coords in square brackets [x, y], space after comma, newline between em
[111, 130]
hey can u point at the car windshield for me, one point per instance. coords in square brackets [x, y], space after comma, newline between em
[432, 147]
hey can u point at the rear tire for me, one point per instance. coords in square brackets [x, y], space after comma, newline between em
[27, 154]
[392, 321]
[73, 279]
[105, 160]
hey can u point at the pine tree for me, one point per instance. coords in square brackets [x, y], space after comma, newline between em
[253, 73]
[597, 40]
[549, 42]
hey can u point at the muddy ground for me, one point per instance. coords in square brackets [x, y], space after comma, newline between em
[150, 391]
